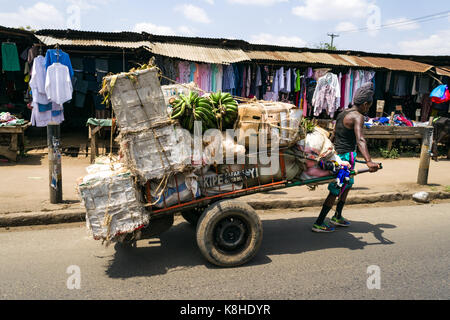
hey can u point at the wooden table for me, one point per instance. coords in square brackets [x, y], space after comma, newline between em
[94, 131]
[16, 137]
[392, 133]
[389, 133]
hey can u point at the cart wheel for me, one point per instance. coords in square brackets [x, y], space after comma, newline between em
[229, 233]
[192, 216]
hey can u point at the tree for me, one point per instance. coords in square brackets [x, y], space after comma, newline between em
[326, 46]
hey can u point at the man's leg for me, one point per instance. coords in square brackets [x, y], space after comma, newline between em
[338, 219]
[328, 204]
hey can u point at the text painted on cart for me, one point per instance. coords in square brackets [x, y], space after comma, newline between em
[229, 177]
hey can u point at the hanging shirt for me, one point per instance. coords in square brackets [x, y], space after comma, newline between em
[249, 81]
[400, 88]
[40, 119]
[343, 82]
[184, 72]
[37, 82]
[10, 57]
[424, 84]
[287, 81]
[388, 81]
[414, 91]
[298, 81]
[281, 80]
[228, 78]
[219, 77]
[193, 69]
[58, 84]
[52, 56]
[327, 95]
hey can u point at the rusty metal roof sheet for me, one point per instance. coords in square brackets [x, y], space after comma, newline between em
[398, 64]
[218, 54]
[344, 60]
[199, 53]
[443, 71]
[51, 41]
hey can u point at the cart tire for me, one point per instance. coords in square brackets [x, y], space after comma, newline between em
[192, 216]
[229, 233]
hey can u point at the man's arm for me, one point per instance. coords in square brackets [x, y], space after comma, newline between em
[361, 142]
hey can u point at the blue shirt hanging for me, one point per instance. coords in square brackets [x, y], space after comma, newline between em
[51, 57]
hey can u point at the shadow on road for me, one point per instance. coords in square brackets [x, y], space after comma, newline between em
[178, 248]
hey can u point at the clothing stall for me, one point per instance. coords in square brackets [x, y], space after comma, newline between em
[14, 79]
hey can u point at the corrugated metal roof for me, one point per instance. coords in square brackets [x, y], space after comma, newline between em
[50, 41]
[199, 53]
[323, 58]
[443, 71]
[398, 64]
[217, 51]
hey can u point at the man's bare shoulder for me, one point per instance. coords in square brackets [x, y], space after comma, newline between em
[352, 118]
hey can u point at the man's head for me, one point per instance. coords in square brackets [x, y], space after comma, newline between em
[364, 97]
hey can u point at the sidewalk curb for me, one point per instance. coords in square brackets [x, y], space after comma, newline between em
[315, 202]
[78, 215]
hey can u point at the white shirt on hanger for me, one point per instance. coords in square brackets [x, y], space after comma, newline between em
[58, 84]
[37, 82]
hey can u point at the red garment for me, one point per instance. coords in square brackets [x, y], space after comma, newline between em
[405, 121]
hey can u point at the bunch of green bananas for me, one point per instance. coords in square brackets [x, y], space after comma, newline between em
[188, 109]
[225, 108]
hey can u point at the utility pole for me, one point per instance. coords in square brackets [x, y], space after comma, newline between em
[54, 161]
[332, 35]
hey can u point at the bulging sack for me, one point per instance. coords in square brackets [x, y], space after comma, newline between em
[277, 118]
[154, 153]
[315, 146]
[137, 100]
[113, 203]
[181, 188]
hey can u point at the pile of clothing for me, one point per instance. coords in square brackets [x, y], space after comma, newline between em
[9, 120]
[399, 120]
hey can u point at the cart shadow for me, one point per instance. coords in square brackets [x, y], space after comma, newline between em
[297, 237]
[176, 250]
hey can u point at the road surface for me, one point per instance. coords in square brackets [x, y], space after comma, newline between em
[408, 245]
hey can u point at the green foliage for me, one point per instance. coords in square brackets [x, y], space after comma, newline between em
[326, 46]
[393, 154]
[308, 125]
[27, 28]
[447, 189]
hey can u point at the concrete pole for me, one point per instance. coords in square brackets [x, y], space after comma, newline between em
[424, 164]
[54, 162]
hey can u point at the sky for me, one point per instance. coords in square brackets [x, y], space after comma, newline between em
[384, 26]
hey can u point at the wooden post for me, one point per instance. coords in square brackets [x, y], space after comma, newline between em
[380, 108]
[389, 144]
[424, 164]
[54, 162]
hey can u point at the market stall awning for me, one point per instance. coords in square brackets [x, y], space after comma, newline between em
[395, 64]
[51, 41]
[199, 53]
[343, 60]
[443, 71]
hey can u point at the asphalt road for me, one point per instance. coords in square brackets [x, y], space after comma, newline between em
[410, 245]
